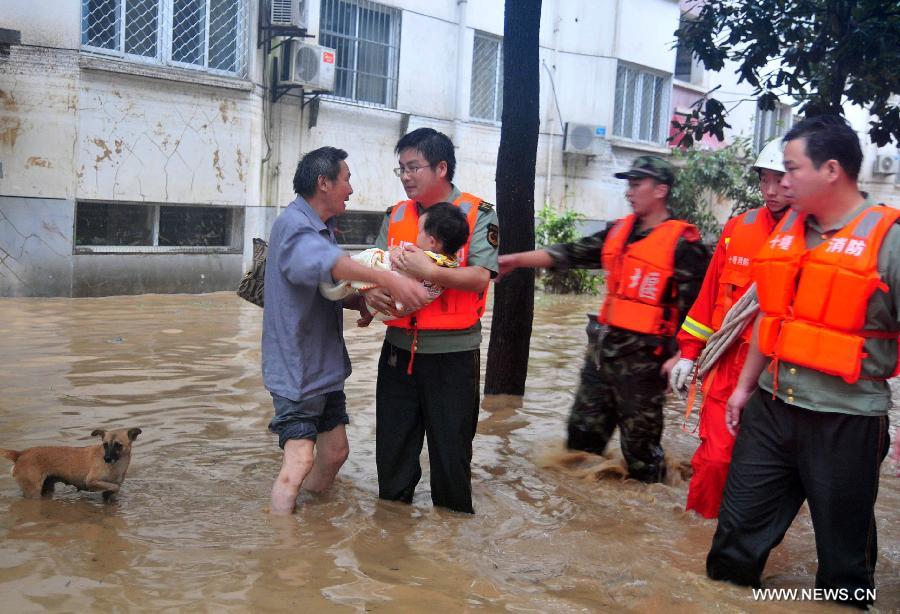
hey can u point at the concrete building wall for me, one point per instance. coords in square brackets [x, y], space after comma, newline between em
[138, 142]
[78, 127]
[36, 238]
[84, 127]
[111, 274]
[584, 74]
[38, 102]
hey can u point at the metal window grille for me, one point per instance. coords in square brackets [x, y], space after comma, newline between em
[366, 36]
[770, 124]
[486, 98]
[204, 34]
[111, 224]
[641, 105]
[358, 228]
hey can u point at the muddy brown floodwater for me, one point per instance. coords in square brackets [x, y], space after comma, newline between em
[188, 531]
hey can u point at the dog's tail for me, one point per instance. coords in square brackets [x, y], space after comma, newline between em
[10, 454]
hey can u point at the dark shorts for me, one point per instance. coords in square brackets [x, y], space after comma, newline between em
[307, 418]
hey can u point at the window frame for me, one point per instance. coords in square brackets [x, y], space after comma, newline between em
[235, 232]
[498, 79]
[164, 39]
[773, 123]
[662, 121]
[394, 16]
[377, 219]
[695, 73]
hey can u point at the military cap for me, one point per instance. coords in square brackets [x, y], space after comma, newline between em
[649, 166]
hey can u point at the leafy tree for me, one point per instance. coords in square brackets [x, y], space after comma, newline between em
[819, 52]
[556, 228]
[724, 174]
[507, 362]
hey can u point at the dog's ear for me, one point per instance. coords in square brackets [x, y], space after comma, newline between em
[133, 433]
[98, 433]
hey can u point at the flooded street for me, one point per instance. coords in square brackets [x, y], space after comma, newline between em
[552, 533]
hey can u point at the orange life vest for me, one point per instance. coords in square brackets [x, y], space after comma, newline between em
[640, 296]
[814, 301]
[749, 232]
[453, 309]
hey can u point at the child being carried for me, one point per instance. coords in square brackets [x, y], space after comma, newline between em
[443, 230]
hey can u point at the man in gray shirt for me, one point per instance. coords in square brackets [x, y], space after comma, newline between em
[304, 359]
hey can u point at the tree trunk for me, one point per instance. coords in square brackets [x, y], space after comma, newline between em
[507, 363]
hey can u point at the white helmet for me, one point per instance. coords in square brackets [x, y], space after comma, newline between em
[771, 156]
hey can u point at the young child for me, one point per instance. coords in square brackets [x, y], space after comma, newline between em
[443, 230]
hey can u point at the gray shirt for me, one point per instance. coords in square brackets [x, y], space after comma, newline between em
[303, 351]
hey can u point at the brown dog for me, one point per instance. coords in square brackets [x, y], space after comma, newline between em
[99, 467]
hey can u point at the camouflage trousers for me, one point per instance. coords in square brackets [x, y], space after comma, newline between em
[626, 391]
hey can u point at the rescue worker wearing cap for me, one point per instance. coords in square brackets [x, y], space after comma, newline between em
[727, 278]
[812, 399]
[655, 266]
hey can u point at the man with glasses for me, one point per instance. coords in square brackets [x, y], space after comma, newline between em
[429, 369]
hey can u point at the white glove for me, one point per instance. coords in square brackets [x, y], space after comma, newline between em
[680, 377]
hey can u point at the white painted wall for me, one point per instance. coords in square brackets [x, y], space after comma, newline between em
[38, 102]
[73, 127]
[585, 73]
[139, 142]
[645, 33]
[587, 27]
[427, 75]
[54, 23]
[484, 15]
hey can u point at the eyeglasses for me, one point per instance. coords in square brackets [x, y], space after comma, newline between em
[409, 170]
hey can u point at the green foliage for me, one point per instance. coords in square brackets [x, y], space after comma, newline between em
[723, 173]
[556, 228]
[819, 52]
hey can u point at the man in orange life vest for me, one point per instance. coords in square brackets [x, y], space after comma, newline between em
[815, 427]
[654, 266]
[727, 278]
[428, 373]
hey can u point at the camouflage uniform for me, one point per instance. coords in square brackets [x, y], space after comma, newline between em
[621, 384]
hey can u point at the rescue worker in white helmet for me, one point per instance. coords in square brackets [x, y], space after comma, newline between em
[727, 278]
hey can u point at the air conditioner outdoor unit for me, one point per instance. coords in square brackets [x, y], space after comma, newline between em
[582, 138]
[311, 67]
[288, 14]
[886, 165]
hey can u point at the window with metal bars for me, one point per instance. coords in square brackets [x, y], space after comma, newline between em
[358, 228]
[366, 36]
[201, 34]
[141, 227]
[486, 97]
[769, 124]
[641, 105]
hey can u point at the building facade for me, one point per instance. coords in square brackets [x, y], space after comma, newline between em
[141, 147]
